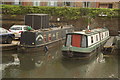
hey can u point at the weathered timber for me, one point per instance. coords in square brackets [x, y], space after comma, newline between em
[6, 47]
[109, 45]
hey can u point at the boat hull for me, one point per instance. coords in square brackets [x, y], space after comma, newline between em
[74, 52]
[38, 49]
[38, 40]
[77, 54]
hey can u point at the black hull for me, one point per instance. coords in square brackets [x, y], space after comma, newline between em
[31, 49]
[37, 40]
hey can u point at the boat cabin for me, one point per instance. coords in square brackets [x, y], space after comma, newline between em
[84, 39]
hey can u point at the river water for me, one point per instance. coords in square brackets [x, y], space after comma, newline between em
[53, 65]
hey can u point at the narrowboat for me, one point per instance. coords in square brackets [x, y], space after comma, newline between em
[41, 38]
[43, 35]
[84, 43]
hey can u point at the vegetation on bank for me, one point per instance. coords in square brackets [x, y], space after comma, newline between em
[71, 13]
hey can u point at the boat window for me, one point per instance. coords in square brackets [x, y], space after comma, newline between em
[99, 36]
[45, 38]
[49, 37]
[96, 37]
[102, 35]
[84, 41]
[53, 35]
[106, 34]
[91, 39]
[68, 40]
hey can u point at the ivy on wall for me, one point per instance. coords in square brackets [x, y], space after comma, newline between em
[71, 13]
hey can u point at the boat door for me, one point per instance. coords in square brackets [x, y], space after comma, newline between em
[76, 40]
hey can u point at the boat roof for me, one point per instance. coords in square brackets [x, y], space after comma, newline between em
[90, 32]
[54, 28]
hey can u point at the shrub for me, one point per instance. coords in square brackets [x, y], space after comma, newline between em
[71, 13]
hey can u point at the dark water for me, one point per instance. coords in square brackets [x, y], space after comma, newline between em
[53, 65]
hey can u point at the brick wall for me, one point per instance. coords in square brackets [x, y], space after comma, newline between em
[27, 3]
[78, 4]
[115, 4]
[43, 3]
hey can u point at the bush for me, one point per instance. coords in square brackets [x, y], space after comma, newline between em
[71, 13]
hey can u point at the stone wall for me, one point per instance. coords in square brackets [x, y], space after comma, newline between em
[113, 24]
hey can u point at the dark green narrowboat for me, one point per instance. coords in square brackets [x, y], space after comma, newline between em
[84, 43]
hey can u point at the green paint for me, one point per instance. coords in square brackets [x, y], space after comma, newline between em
[85, 50]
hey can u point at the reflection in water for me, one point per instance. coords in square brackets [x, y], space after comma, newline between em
[101, 59]
[52, 65]
[16, 62]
